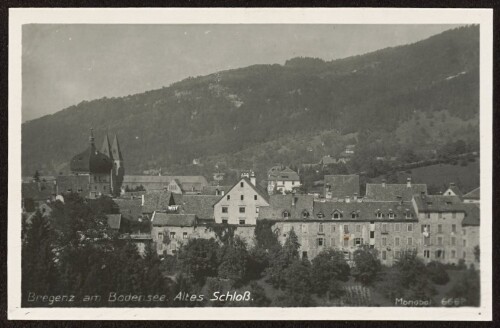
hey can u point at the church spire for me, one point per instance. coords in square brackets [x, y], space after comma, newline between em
[115, 150]
[106, 147]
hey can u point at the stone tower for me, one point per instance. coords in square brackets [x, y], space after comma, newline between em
[118, 167]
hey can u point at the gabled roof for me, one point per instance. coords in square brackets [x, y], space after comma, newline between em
[472, 215]
[200, 205]
[365, 211]
[342, 185]
[130, 209]
[454, 189]
[391, 192]
[473, 194]
[257, 189]
[186, 182]
[285, 174]
[156, 200]
[211, 190]
[279, 203]
[161, 219]
[114, 221]
[438, 203]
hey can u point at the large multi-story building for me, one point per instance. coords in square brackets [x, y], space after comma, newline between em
[282, 179]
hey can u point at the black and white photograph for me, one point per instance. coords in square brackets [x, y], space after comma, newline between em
[327, 165]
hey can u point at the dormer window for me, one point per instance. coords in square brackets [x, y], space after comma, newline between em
[305, 214]
[337, 215]
[354, 215]
[408, 215]
[379, 215]
[286, 214]
[321, 215]
[391, 215]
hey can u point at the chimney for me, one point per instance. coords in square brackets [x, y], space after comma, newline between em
[355, 198]
[347, 199]
[222, 192]
[452, 184]
[383, 183]
[408, 182]
[253, 180]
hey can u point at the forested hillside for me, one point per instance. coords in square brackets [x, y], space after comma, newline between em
[416, 97]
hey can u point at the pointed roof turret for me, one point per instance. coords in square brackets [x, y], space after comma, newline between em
[106, 147]
[115, 150]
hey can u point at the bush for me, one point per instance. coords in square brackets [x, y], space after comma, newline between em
[437, 273]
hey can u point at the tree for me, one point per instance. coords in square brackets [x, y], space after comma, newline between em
[329, 267]
[233, 260]
[437, 273]
[281, 258]
[467, 287]
[39, 270]
[477, 256]
[298, 287]
[198, 259]
[366, 265]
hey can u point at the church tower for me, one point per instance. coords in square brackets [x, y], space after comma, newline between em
[118, 167]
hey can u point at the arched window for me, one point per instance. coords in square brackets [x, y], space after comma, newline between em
[354, 215]
[286, 214]
[379, 215]
[305, 214]
[337, 215]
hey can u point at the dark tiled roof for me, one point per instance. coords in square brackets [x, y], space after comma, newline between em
[286, 174]
[151, 182]
[91, 160]
[160, 219]
[474, 194]
[342, 185]
[114, 221]
[38, 190]
[438, 203]
[391, 192]
[472, 215]
[211, 190]
[200, 205]
[156, 200]
[455, 190]
[278, 204]
[130, 209]
[365, 210]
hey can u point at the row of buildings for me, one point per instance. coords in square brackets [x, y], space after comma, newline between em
[391, 218]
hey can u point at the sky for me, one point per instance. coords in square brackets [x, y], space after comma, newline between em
[64, 64]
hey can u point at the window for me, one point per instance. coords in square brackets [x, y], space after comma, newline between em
[384, 255]
[408, 215]
[333, 228]
[426, 227]
[321, 242]
[454, 215]
[286, 214]
[453, 254]
[372, 234]
[397, 254]
[304, 228]
[241, 184]
[256, 209]
[440, 241]
[321, 215]
[242, 210]
[391, 215]
[384, 228]
[358, 227]
[440, 228]
[320, 228]
[396, 241]
[242, 197]
[410, 241]
[172, 235]
[384, 241]
[228, 197]
[453, 241]
[345, 242]
[293, 182]
[379, 215]
[346, 228]
[397, 227]
[332, 242]
[354, 215]
[358, 241]
[160, 236]
[254, 197]
[464, 254]
[428, 215]
[427, 253]
[224, 221]
[439, 254]
[242, 221]
[454, 228]
[336, 215]
[184, 235]
[224, 209]
[305, 214]
[409, 228]
[465, 242]
[304, 255]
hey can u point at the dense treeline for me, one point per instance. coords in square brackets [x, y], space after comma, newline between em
[258, 108]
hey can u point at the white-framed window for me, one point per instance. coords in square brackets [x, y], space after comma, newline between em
[345, 242]
[354, 215]
[410, 241]
[358, 227]
[336, 215]
[224, 221]
[384, 255]
[320, 228]
[397, 254]
[285, 214]
[391, 215]
[440, 228]
[242, 210]
[379, 215]
[384, 228]
[428, 215]
[228, 197]
[333, 228]
[305, 242]
[241, 184]
[427, 253]
[384, 241]
[397, 227]
[321, 242]
[358, 241]
[160, 236]
[408, 215]
[396, 241]
[184, 235]
[242, 222]
[346, 228]
[409, 227]
[257, 209]
[172, 235]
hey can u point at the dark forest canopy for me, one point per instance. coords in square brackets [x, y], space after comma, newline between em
[256, 114]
